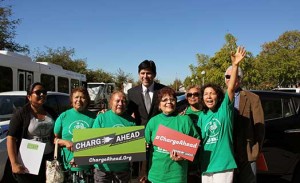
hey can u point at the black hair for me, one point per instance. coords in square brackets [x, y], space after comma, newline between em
[147, 64]
[219, 91]
[32, 86]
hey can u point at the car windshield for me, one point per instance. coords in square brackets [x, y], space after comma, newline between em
[8, 104]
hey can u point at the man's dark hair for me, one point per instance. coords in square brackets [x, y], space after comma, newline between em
[148, 64]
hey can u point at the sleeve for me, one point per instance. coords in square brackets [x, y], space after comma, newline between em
[258, 118]
[97, 121]
[58, 125]
[193, 131]
[148, 133]
[16, 124]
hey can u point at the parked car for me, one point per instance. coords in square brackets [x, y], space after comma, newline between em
[9, 103]
[293, 90]
[281, 148]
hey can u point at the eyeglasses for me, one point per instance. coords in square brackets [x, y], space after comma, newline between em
[39, 92]
[196, 94]
[168, 99]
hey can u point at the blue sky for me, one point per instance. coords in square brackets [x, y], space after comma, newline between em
[113, 34]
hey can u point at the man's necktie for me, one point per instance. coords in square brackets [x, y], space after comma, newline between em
[147, 101]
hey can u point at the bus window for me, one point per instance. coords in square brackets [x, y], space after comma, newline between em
[63, 84]
[74, 83]
[6, 79]
[21, 81]
[48, 81]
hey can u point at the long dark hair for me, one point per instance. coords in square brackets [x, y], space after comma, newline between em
[218, 90]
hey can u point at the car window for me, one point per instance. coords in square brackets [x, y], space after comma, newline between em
[59, 103]
[64, 103]
[272, 108]
[277, 107]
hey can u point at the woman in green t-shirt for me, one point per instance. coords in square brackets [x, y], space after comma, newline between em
[165, 166]
[215, 122]
[78, 117]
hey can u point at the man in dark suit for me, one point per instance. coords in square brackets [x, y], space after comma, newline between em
[142, 104]
[248, 132]
[137, 96]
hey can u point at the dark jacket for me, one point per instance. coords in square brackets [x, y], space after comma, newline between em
[20, 121]
[137, 106]
[249, 128]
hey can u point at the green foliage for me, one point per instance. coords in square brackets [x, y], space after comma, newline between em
[99, 76]
[279, 60]
[7, 31]
[121, 77]
[276, 65]
[176, 84]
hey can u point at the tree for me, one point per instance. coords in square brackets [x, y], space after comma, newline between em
[279, 60]
[121, 77]
[7, 31]
[63, 57]
[99, 76]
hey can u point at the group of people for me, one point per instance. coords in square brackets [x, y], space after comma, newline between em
[229, 124]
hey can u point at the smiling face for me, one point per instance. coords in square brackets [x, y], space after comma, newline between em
[146, 77]
[38, 96]
[193, 96]
[210, 98]
[79, 101]
[118, 103]
[167, 104]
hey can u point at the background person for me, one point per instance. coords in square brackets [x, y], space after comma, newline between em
[116, 117]
[78, 117]
[34, 121]
[142, 97]
[168, 167]
[193, 110]
[136, 95]
[248, 130]
[216, 124]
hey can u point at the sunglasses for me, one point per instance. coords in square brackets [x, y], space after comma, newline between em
[196, 94]
[228, 77]
[39, 92]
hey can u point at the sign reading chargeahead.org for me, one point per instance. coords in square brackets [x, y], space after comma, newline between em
[109, 145]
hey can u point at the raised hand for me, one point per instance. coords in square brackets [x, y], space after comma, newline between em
[238, 55]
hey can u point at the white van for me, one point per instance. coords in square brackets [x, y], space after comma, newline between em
[293, 90]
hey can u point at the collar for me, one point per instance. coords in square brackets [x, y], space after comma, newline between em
[150, 88]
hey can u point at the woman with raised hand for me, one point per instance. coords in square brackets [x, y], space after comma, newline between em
[216, 124]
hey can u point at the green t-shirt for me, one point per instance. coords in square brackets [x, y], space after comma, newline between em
[194, 115]
[162, 168]
[217, 147]
[108, 120]
[63, 127]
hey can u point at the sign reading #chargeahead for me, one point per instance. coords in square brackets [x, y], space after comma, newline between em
[109, 145]
[172, 140]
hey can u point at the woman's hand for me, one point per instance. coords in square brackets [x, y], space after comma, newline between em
[18, 168]
[238, 55]
[69, 145]
[175, 157]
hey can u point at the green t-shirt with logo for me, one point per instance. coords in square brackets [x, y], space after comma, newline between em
[162, 168]
[217, 146]
[64, 125]
[110, 120]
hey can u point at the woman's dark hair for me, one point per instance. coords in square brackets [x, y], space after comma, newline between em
[218, 90]
[32, 86]
[165, 91]
[82, 90]
[147, 64]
